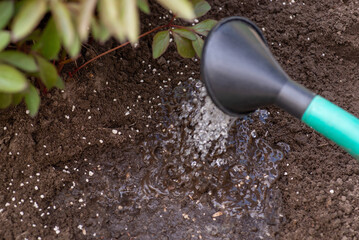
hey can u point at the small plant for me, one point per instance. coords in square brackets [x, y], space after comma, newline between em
[35, 34]
[188, 40]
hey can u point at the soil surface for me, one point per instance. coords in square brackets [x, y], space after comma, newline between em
[124, 151]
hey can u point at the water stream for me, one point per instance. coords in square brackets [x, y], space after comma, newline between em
[209, 156]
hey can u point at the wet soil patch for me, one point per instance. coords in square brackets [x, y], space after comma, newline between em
[96, 163]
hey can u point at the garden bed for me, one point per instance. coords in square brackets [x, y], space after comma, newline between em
[92, 164]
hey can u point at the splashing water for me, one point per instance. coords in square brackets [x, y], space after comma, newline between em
[209, 156]
[207, 124]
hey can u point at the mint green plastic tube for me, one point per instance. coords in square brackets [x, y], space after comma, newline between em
[334, 123]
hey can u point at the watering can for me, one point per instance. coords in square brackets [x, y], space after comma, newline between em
[241, 75]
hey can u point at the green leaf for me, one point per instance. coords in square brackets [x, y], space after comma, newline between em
[34, 36]
[18, 6]
[28, 18]
[5, 100]
[48, 72]
[19, 59]
[198, 46]
[49, 44]
[99, 31]
[6, 12]
[109, 11]
[17, 98]
[201, 8]
[63, 23]
[60, 83]
[182, 8]
[11, 80]
[205, 26]
[87, 9]
[121, 24]
[73, 6]
[143, 5]
[4, 39]
[75, 49]
[32, 100]
[185, 33]
[184, 46]
[160, 43]
[131, 20]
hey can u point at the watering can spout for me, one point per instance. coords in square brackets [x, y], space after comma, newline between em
[241, 75]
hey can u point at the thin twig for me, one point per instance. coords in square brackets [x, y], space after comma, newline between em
[172, 19]
[115, 48]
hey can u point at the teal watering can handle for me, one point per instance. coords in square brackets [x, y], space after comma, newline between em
[334, 123]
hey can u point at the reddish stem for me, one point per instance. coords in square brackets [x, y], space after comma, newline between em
[114, 49]
[61, 64]
[168, 25]
[172, 19]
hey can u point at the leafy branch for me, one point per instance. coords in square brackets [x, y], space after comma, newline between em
[161, 40]
[36, 33]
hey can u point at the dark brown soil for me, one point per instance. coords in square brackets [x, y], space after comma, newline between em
[65, 174]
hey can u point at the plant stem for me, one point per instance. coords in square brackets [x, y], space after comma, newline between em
[61, 64]
[172, 19]
[168, 25]
[115, 48]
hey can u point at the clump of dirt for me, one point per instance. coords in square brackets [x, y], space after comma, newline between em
[100, 160]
